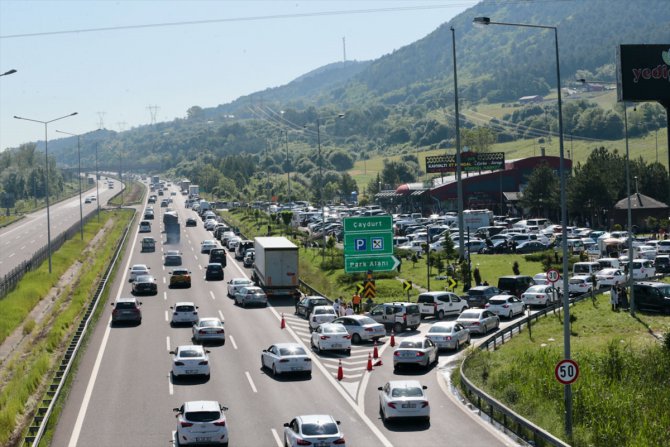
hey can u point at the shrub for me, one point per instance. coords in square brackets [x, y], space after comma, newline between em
[515, 268]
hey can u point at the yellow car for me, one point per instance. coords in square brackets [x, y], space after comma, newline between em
[180, 278]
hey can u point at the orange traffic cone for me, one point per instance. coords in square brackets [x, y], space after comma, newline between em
[392, 338]
[378, 363]
[283, 322]
[369, 362]
[340, 371]
[375, 353]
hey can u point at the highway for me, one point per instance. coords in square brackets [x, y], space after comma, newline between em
[123, 394]
[20, 240]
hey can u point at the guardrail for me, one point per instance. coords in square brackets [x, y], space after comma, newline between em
[41, 418]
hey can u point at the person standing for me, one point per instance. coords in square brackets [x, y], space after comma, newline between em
[623, 298]
[614, 297]
[336, 307]
[349, 310]
[343, 309]
[356, 303]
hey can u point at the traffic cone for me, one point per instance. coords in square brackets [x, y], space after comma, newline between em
[375, 353]
[340, 371]
[378, 363]
[369, 362]
[283, 322]
[392, 338]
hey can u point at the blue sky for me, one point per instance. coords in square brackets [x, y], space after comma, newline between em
[251, 45]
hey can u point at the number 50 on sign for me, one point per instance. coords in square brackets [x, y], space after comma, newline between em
[566, 371]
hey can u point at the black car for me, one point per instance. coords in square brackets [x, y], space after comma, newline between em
[307, 304]
[218, 255]
[145, 285]
[652, 296]
[479, 296]
[191, 222]
[214, 272]
[172, 258]
[662, 264]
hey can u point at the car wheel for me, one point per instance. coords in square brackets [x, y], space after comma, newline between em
[397, 328]
[510, 315]
[440, 315]
[458, 345]
[355, 339]
[383, 415]
[274, 370]
[244, 305]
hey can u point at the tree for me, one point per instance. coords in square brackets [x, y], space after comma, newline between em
[541, 193]
[478, 139]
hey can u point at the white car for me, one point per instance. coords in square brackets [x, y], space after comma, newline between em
[448, 335]
[286, 358]
[184, 312]
[233, 242]
[236, 284]
[138, 270]
[320, 430]
[331, 337]
[201, 422]
[610, 277]
[209, 329]
[415, 351]
[210, 224]
[362, 328]
[208, 245]
[403, 399]
[321, 314]
[505, 306]
[190, 360]
[541, 279]
[479, 320]
[539, 295]
[643, 269]
[579, 284]
[251, 295]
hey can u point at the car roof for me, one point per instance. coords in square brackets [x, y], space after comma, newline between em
[444, 324]
[202, 405]
[126, 300]
[172, 252]
[210, 319]
[182, 270]
[418, 338]
[184, 303]
[325, 306]
[358, 317]
[404, 383]
[502, 295]
[288, 345]
[315, 419]
[194, 347]
[139, 266]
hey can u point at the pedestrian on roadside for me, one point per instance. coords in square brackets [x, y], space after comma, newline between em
[356, 303]
[349, 310]
[614, 297]
[623, 298]
[343, 309]
[336, 307]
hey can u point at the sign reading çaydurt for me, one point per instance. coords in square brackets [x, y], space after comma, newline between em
[643, 72]
[470, 161]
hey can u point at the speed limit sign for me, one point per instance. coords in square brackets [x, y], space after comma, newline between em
[553, 275]
[566, 371]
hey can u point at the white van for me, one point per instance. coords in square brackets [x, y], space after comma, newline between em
[643, 269]
[609, 263]
[585, 268]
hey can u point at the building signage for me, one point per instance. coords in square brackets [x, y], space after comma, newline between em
[470, 162]
[643, 72]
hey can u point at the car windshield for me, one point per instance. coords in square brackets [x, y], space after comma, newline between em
[475, 292]
[494, 301]
[180, 272]
[410, 344]
[144, 278]
[292, 351]
[366, 320]
[334, 330]
[190, 353]
[125, 305]
[576, 281]
[185, 309]
[324, 311]
[407, 392]
[202, 416]
[310, 429]
[440, 329]
[536, 289]
[473, 315]
[210, 323]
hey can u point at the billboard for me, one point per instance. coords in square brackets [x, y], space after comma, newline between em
[643, 72]
[470, 162]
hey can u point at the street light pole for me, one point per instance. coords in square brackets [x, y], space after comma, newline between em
[288, 168]
[323, 211]
[46, 157]
[459, 182]
[567, 390]
[81, 210]
[97, 190]
[629, 216]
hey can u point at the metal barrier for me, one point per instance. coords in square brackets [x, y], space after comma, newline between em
[44, 410]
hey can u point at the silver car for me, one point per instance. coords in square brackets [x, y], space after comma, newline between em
[321, 314]
[362, 328]
[286, 357]
[478, 320]
[236, 284]
[415, 351]
[209, 329]
[448, 335]
[251, 295]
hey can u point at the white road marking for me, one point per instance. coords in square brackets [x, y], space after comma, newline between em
[232, 340]
[11, 255]
[221, 315]
[277, 438]
[32, 241]
[212, 295]
[166, 315]
[196, 257]
[165, 296]
[199, 266]
[251, 382]
[167, 342]
[22, 247]
[170, 386]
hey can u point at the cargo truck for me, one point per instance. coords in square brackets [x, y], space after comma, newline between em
[184, 186]
[172, 229]
[193, 191]
[276, 266]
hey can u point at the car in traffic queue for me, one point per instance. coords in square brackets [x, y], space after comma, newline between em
[208, 329]
[180, 278]
[480, 321]
[145, 226]
[208, 245]
[331, 337]
[190, 360]
[249, 259]
[318, 430]
[184, 312]
[191, 222]
[505, 306]
[321, 314]
[478, 296]
[448, 335]
[148, 244]
[440, 304]
[403, 399]
[580, 284]
[236, 284]
[201, 422]
[539, 295]
[251, 295]
[643, 269]
[419, 351]
[172, 258]
[307, 304]
[361, 328]
[145, 285]
[610, 277]
[214, 272]
[282, 358]
[126, 310]
[138, 270]
[530, 247]
[398, 315]
[218, 255]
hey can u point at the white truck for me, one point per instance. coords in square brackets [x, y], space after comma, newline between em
[193, 191]
[184, 186]
[276, 266]
[475, 219]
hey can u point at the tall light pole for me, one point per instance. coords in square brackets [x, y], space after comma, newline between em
[81, 210]
[567, 390]
[629, 215]
[288, 168]
[46, 158]
[459, 182]
[97, 175]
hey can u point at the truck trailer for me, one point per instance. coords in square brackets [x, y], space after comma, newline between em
[193, 191]
[276, 266]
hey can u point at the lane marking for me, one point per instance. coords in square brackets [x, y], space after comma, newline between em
[167, 342]
[196, 257]
[166, 315]
[221, 315]
[277, 438]
[22, 247]
[251, 382]
[170, 386]
[11, 255]
[212, 294]
[164, 280]
[199, 266]
[165, 296]
[232, 341]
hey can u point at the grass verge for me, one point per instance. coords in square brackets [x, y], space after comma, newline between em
[132, 194]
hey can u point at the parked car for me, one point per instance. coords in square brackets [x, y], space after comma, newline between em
[448, 335]
[539, 295]
[515, 284]
[652, 296]
[126, 310]
[403, 399]
[580, 284]
[643, 269]
[362, 328]
[530, 247]
[480, 321]
[662, 264]
[505, 305]
[184, 312]
[200, 422]
[313, 429]
[415, 351]
[440, 304]
[283, 358]
[145, 285]
[478, 296]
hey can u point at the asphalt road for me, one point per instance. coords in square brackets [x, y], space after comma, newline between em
[20, 240]
[123, 394]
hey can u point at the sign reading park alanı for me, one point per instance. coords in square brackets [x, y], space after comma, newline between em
[470, 162]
